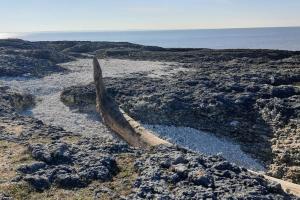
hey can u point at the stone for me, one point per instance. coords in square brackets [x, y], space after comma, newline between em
[283, 91]
[40, 183]
[96, 173]
[39, 152]
[68, 180]
[226, 166]
[179, 160]
[5, 197]
[200, 177]
[61, 154]
[31, 168]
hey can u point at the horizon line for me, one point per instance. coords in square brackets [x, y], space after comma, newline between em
[141, 30]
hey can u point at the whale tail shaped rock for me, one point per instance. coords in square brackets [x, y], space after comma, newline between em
[116, 119]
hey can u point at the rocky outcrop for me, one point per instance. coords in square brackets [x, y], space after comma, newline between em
[56, 163]
[64, 160]
[268, 125]
[172, 173]
[253, 101]
[63, 165]
[22, 58]
[11, 101]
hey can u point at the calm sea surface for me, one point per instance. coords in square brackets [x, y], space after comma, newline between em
[258, 38]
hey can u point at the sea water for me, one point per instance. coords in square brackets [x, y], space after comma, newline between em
[285, 38]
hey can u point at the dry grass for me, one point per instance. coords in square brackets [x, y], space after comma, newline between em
[123, 181]
[11, 156]
[40, 140]
[22, 191]
[71, 139]
[12, 129]
[17, 191]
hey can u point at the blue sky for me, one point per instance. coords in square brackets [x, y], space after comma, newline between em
[85, 15]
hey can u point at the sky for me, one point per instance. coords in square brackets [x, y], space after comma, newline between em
[93, 15]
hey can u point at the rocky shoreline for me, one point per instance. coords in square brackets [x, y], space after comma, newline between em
[250, 100]
[44, 158]
[40, 161]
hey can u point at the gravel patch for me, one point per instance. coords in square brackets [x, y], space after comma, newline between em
[207, 144]
[47, 90]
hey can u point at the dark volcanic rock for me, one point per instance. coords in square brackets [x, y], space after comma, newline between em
[5, 197]
[198, 177]
[67, 179]
[251, 96]
[59, 161]
[53, 154]
[23, 58]
[38, 182]
[15, 65]
[31, 168]
[11, 101]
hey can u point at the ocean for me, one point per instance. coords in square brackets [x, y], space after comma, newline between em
[285, 38]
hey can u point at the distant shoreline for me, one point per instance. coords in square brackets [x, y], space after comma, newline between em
[280, 38]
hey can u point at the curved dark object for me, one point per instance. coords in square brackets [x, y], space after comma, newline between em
[115, 118]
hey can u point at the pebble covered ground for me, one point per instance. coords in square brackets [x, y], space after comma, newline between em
[47, 91]
[207, 144]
